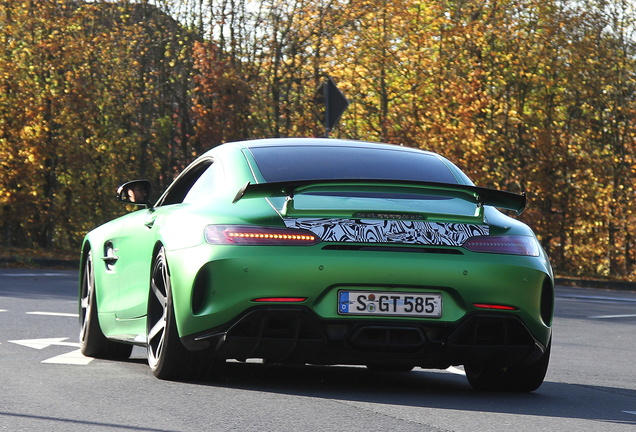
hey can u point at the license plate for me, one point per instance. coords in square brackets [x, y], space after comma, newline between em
[427, 305]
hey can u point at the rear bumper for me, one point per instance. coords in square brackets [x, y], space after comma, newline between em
[214, 287]
[297, 335]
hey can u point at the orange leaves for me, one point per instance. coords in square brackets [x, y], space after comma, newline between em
[507, 91]
[534, 95]
[220, 98]
[73, 89]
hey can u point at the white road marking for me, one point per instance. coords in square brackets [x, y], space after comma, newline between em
[613, 316]
[33, 274]
[58, 314]
[45, 343]
[630, 412]
[74, 357]
[455, 371]
[3, 310]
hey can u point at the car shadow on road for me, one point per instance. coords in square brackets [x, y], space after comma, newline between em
[430, 389]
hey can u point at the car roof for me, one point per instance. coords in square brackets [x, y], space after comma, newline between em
[325, 142]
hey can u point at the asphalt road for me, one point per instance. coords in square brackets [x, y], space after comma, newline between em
[46, 385]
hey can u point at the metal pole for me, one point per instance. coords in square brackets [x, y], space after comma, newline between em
[327, 109]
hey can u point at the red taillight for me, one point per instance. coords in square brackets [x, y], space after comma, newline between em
[494, 306]
[511, 245]
[255, 235]
[280, 299]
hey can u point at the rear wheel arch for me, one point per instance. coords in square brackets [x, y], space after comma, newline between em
[167, 357]
[159, 245]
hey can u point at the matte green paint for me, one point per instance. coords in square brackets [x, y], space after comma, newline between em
[239, 274]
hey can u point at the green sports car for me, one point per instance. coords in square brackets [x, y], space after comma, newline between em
[321, 251]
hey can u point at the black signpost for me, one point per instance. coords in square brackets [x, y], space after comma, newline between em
[335, 103]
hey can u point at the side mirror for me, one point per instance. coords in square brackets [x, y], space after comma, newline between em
[135, 192]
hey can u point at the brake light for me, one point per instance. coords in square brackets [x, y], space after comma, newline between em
[280, 299]
[255, 235]
[493, 306]
[512, 245]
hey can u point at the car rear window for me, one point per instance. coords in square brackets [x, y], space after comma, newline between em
[285, 163]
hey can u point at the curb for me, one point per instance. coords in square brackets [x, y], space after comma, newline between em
[42, 262]
[600, 284]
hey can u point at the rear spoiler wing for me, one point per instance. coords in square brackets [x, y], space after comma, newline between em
[479, 195]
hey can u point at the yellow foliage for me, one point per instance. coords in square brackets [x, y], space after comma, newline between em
[526, 95]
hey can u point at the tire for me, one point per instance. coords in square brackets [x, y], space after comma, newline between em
[167, 357]
[522, 378]
[93, 343]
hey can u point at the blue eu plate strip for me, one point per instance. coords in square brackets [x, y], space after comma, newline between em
[344, 302]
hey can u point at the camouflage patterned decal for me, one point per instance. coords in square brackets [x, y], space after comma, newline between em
[389, 231]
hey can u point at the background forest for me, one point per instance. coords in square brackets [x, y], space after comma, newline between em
[524, 95]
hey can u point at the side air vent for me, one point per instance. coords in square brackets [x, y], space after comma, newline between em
[201, 291]
[547, 302]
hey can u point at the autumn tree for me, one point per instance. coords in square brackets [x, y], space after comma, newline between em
[525, 95]
[88, 95]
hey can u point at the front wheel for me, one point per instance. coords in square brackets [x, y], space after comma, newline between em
[521, 378]
[93, 343]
